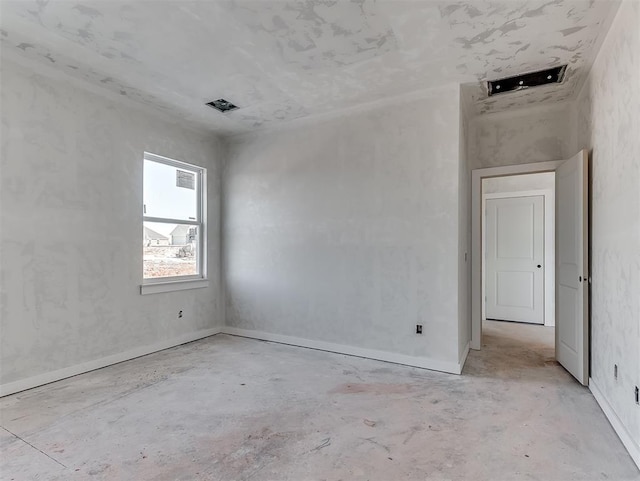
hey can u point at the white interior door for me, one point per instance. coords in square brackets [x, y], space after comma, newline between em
[572, 303]
[514, 282]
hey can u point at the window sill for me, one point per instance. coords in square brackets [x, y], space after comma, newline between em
[170, 286]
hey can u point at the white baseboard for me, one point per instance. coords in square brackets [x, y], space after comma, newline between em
[620, 429]
[46, 378]
[422, 362]
[463, 357]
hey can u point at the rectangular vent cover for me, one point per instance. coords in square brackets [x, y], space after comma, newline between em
[528, 80]
[222, 105]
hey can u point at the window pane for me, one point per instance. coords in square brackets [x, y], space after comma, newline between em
[170, 250]
[170, 192]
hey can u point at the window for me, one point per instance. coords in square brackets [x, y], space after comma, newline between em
[174, 236]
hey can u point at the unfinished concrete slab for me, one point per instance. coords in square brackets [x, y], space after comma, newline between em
[229, 408]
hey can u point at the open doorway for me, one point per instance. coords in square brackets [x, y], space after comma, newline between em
[571, 254]
[518, 257]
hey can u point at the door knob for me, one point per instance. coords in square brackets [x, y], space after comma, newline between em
[539, 266]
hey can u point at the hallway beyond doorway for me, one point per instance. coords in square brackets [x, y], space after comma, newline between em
[518, 346]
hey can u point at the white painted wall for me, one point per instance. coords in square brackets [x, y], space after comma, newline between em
[608, 121]
[534, 134]
[346, 231]
[71, 228]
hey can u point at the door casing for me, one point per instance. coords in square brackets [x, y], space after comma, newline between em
[476, 234]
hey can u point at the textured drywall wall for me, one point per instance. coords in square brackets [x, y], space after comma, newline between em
[519, 183]
[464, 229]
[346, 231]
[609, 123]
[71, 227]
[534, 134]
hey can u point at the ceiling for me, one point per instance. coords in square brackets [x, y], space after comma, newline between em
[285, 60]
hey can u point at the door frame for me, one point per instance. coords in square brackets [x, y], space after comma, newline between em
[548, 243]
[476, 233]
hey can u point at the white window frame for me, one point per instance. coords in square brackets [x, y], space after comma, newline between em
[176, 283]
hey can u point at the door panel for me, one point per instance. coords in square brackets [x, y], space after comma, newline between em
[572, 303]
[567, 306]
[515, 289]
[514, 250]
[514, 238]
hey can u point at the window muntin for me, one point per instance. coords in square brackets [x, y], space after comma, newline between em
[173, 227]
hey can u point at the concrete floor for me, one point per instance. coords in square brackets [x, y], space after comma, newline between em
[228, 408]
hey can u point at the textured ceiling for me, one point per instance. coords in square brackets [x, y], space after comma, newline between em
[284, 60]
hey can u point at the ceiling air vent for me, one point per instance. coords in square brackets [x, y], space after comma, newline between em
[222, 105]
[528, 80]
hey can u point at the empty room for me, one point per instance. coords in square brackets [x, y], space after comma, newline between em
[302, 240]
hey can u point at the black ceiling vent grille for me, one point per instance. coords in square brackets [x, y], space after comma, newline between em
[528, 80]
[222, 105]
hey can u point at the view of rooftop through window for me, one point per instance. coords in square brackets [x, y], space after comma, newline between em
[171, 231]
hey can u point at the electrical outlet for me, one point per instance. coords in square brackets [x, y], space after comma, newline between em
[179, 314]
[615, 372]
[418, 328]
